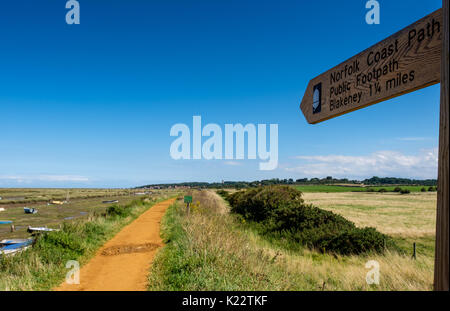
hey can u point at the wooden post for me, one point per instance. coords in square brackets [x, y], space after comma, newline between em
[414, 251]
[188, 201]
[441, 272]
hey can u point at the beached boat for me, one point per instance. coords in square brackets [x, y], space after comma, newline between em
[28, 210]
[13, 246]
[57, 202]
[12, 241]
[111, 201]
[40, 229]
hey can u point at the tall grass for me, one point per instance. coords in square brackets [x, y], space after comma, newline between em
[212, 250]
[43, 266]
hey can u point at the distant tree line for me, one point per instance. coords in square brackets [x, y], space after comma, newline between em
[399, 181]
[305, 181]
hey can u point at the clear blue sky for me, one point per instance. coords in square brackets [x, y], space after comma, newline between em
[93, 104]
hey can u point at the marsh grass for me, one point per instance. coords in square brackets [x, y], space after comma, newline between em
[53, 215]
[214, 250]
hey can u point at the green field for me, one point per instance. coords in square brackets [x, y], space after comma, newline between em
[336, 188]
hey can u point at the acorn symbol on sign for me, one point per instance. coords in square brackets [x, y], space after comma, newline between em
[317, 98]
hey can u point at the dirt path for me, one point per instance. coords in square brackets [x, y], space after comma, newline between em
[123, 263]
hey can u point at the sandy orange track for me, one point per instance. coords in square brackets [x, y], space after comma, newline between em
[123, 263]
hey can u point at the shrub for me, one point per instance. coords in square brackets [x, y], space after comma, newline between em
[397, 189]
[370, 190]
[281, 212]
[423, 189]
[382, 190]
[65, 240]
[260, 204]
[306, 217]
[223, 193]
[405, 191]
[355, 241]
[117, 210]
[431, 189]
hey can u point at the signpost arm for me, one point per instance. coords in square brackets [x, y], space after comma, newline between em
[441, 272]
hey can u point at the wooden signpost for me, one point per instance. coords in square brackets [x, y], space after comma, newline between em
[411, 59]
[407, 61]
[441, 272]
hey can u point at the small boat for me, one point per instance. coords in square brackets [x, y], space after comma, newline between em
[40, 229]
[28, 210]
[13, 246]
[7, 242]
[111, 201]
[57, 202]
[5, 222]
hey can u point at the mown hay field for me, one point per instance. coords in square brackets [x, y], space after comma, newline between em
[407, 216]
[354, 188]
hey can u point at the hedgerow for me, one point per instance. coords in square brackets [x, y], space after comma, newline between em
[281, 211]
